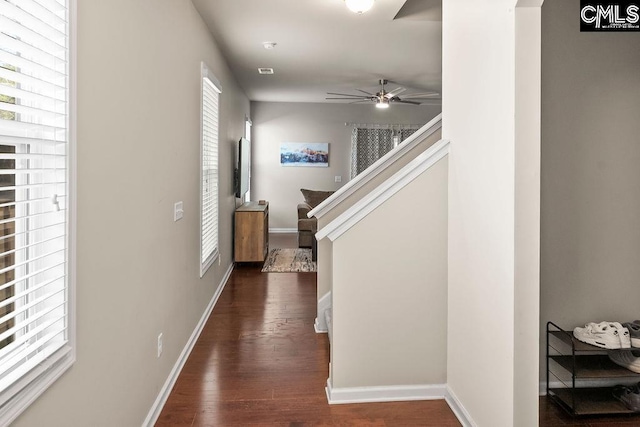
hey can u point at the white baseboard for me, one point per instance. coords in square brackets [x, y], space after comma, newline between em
[283, 230]
[319, 328]
[155, 410]
[320, 324]
[344, 395]
[458, 410]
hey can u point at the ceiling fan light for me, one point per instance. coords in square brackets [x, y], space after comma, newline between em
[384, 103]
[359, 6]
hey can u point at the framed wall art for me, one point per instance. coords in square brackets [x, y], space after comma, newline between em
[310, 154]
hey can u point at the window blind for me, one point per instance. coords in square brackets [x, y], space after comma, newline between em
[247, 134]
[34, 101]
[209, 170]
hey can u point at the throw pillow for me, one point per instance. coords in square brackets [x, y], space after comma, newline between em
[313, 198]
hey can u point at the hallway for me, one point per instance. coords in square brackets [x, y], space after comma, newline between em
[259, 362]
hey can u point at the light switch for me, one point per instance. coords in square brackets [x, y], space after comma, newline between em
[178, 212]
[338, 178]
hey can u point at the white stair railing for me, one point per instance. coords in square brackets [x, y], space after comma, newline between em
[377, 168]
[382, 193]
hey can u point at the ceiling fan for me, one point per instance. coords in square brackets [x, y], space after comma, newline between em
[383, 99]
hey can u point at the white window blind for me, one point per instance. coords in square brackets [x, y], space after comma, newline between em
[209, 170]
[34, 133]
[247, 134]
[247, 128]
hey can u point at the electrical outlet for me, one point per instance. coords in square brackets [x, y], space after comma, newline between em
[160, 345]
[178, 211]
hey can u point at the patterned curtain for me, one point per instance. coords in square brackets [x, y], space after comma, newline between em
[369, 144]
[406, 133]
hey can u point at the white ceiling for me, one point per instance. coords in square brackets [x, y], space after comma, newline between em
[323, 47]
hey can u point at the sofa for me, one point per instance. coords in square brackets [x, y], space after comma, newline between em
[307, 227]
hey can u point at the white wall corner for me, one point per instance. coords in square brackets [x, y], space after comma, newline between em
[458, 409]
[324, 304]
[529, 3]
[163, 395]
[337, 396]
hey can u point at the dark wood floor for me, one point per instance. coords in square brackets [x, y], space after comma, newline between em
[259, 362]
[283, 240]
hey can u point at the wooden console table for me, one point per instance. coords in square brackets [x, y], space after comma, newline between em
[251, 232]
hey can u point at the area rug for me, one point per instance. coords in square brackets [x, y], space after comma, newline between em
[284, 260]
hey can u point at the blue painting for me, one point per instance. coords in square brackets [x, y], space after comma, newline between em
[304, 154]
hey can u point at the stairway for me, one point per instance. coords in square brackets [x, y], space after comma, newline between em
[386, 258]
[357, 189]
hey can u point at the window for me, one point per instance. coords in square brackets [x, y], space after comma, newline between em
[209, 170]
[370, 142]
[247, 135]
[247, 128]
[36, 328]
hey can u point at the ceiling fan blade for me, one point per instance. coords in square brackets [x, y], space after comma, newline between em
[364, 91]
[344, 94]
[401, 101]
[360, 102]
[394, 92]
[422, 95]
[352, 97]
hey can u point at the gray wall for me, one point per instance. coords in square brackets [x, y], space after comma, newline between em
[590, 236]
[138, 153]
[275, 122]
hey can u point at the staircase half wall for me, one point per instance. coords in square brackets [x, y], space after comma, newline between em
[389, 296]
[359, 187]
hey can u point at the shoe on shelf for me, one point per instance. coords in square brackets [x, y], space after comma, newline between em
[623, 333]
[603, 335]
[627, 359]
[629, 396]
[634, 332]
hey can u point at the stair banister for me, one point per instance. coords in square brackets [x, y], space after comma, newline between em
[362, 208]
[372, 171]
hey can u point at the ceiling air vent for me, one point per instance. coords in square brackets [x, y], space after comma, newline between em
[265, 70]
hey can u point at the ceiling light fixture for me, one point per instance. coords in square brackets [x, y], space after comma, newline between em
[269, 45]
[359, 6]
[382, 102]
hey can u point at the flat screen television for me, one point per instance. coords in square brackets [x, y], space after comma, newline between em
[243, 167]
